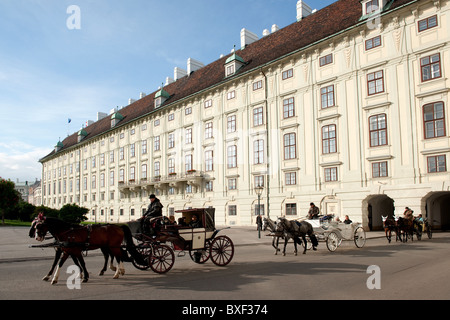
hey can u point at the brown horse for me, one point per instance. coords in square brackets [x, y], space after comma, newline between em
[74, 239]
[405, 228]
[390, 225]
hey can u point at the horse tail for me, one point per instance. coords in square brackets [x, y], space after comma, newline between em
[312, 236]
[131, 248]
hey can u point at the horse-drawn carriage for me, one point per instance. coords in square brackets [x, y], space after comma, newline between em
[331, 232]
[127, 242]
[201, 242]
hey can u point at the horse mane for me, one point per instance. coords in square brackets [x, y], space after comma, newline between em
[55, 222]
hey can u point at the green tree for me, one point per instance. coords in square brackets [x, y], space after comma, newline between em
[9, 197]
[73, 213]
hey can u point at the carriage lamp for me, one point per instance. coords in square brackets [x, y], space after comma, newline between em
[259, 190]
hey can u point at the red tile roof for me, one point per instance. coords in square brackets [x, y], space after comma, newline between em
[326, 22]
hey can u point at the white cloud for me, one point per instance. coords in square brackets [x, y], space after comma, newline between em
[19, 160]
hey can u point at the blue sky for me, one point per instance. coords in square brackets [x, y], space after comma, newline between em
[50, 73]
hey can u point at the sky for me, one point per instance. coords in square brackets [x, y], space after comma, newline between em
[62, 60]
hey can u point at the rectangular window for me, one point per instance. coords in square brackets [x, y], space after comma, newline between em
[323, 61]
[143, 172]
[171, 165]
[330, 174]
[378, 130]
[379, 169]
[208, 103]
[427, 23]
[287, 74]
[258, 151]
[232, 157]
[291, 178]
[329, 139]
[156, 145]
[132, 173]
[375, 82]
[436, 164]
[171, 117]
[232, 185]
[259, 181]
[258, 116]
[188, 111]
[171, 141]
[373, 43]
[208, 130]
[434, 120]
[188, 162]
[232, 210]
[156, 169]
[132, 150]
[209, 186]
[231, 124]
[327, 97]
[144, 146]
[259, 210]
[291, 209]
[209, 164]
[288, 108]
[121, 175]
[231, 95]
[257, 85]
[188, 135]
[430, 67]
[289, 146]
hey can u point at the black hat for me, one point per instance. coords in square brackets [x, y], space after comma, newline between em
[311, 204]
[152, 196]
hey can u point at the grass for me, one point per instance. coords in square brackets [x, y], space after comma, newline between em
[15, 223]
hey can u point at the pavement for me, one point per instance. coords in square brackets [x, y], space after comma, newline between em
[15, 245]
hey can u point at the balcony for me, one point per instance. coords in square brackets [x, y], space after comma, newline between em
[192, 177]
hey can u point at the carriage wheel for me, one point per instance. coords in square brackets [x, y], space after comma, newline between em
[145, 250]
[162, 259]
[200, 256]
[333, 241]
[359, 237]
[221, 251]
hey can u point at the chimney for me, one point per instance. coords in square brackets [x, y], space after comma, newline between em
[303, 10]
[266, 32]
[275, 28]
[141, 95]
[247, 37]
[193, 65]
[130, 101]
[179, 73]
[101, 115]
[169, 80]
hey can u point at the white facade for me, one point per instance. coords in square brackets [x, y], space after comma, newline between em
[357, 124]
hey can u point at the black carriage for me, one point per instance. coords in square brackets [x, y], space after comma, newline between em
[201, 241]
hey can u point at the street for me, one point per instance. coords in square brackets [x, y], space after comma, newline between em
[412, 270]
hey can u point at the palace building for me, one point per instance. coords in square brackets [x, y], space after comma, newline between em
[347, 107]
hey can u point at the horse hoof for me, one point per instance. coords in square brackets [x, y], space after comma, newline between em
[45, 278]
[122, 272]
[113, 268]
[54, 282]
[295, 253]
[101, 273]
[85, 280]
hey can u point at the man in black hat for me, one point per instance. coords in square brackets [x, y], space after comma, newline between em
[154, 210]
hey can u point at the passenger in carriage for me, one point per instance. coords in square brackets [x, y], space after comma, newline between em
[408, 213]
[172, 220]
[313, 212]
[347, 220]
[195, 222]
[182, 222]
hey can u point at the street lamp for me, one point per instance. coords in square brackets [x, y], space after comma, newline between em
[259, 190]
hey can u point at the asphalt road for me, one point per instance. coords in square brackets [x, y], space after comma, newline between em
[379, 270]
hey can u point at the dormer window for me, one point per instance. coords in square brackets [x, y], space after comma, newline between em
[160, 97]
[233, 64]
[370, 7]
[115, 119]
[81, 134]
[59, 146]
